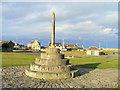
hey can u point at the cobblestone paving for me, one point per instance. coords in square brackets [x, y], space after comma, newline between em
[13, 77]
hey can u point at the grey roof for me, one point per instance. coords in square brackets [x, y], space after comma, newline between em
[80, 48]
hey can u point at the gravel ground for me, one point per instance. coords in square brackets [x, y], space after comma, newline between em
[13, 77]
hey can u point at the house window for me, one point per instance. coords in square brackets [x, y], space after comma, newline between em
[92, 52]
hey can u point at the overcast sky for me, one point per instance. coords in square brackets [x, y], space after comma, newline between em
[79, 22]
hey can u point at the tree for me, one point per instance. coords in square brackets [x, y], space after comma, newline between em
[5, 46]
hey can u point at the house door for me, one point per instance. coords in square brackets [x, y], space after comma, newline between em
[92, 52]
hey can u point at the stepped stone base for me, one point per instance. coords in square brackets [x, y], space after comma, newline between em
[51, 65]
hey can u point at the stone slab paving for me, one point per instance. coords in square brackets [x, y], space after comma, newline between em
[14, 77]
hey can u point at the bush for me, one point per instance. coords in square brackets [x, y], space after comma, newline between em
[74, 49]
[102, 53]
[6, 50]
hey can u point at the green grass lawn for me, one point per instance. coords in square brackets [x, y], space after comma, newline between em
[17, 59]
[22, 59]
[80, 54]
[22, 50]
[99, 63]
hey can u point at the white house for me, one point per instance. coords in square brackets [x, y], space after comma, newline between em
[93, 51]
[34, 45]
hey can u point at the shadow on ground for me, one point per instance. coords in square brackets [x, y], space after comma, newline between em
[86, 68]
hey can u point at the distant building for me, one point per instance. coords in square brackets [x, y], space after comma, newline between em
[34, 45]
[57, 45]
[6, 45]
[93, 51]
[16, 46]
[43, 48]
[64, 49]
[19, 47]
[81, 49]
[70, 46]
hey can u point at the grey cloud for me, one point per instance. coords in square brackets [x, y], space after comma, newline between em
[34, 19]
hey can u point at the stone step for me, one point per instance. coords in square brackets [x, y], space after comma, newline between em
[50, 75]
[51, 62]
[47, 75]
[45, 68]
[68, 65]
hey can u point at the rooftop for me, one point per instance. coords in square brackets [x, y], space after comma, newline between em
[93, 48]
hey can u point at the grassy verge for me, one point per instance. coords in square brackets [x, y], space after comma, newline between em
[111, 52]
[22, 59]
[17, 59]
[22, 51]
[99, 63]
[80, 54]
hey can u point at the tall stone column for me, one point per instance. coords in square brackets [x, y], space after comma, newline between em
[52, 64]
[53, 30]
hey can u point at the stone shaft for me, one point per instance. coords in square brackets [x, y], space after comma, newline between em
[53, 29]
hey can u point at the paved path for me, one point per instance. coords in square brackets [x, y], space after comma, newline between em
[13, 77]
